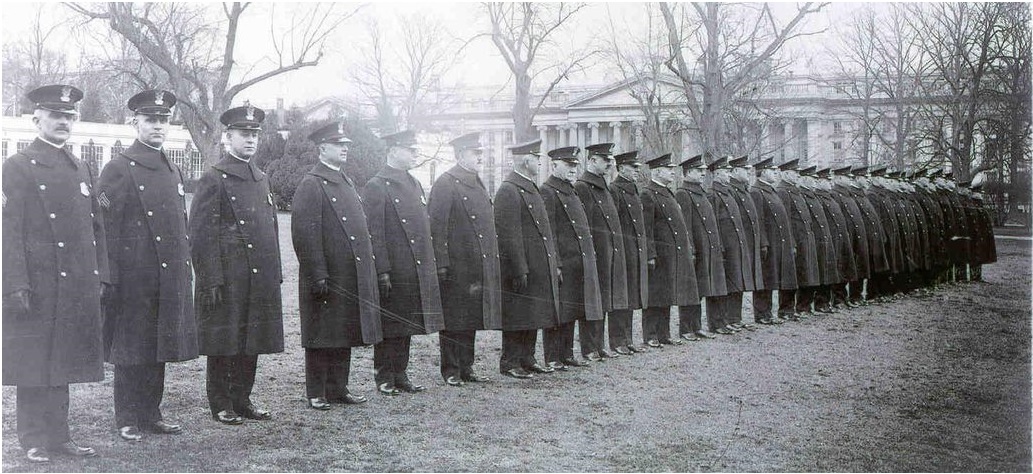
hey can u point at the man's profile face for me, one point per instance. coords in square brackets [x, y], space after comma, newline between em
[334, 153]
[54, 127]
[151, 129]
[630, 172]
[472, 160]
[564, 170]
[243, 143]
[597, 164]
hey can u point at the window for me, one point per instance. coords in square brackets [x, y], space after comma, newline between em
[837, 145]
[5, 150]
[837, 126]
[23, 144]
[92, 154]
[117, 148]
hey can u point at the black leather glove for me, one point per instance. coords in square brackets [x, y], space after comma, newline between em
[443, 274]
[212, 297]
[652, 264]
[559, 276]
[520, 283]
[321, 290]
[18, 301]
[107, 291]
[384, 282]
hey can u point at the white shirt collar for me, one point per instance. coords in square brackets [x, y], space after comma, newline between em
[148, 146]
[328, 165]
[48, 142]
[524, 175]
[239, 158]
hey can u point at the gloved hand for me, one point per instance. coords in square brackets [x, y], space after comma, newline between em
[19, 301]
[384, 282]
[212, 297]
[559, 276]
[443, 274]
[321, 290]
[520, 283]
[652, 264]
[107, 291]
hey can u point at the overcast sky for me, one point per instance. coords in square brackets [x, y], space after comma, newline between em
[480, 63]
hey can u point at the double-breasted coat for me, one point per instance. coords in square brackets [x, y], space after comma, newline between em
[748, 210]
[607, 238]
[462, 222]
[235, 244]
[828, 266]
[630, 213]
[672, 280]
[579, 293]
[332, 242]
[706, 239]
[54, 247]
[856, 230]
[151, 317]
[527, 246]
[874, 232]
[738, 252]
[846, 268]
[807, 272]
[396, 211]
[777, 245]
[882, 201]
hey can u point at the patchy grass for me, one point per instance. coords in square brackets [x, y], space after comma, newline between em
[930, 383]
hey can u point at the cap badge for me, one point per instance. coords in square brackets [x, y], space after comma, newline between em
[66, 94]
[340, 128]
[250, 111]
[159, 98]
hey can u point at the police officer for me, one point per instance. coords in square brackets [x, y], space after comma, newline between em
[806, 251]
[609, 245]
[337, 281]
[150, 319]
[742, 178]
[626, 196]
[579, 294]
[777, 245]
[738, 257]
[707, 249]
[55, 269]
[529, 262]
[396, 210]
[236, 253]
[467, 251]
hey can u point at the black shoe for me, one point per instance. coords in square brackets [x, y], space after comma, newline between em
[388, 389]
[454, 381]
[351, 399]
[130, 433]
[410, 387]
[69, 448]
[475, 378]
[318, 403]
[765, 321]
[705, 335]
[690, 337]
[573, 362]
[228, 417]
[536, 367]
[555, 365]
[633, 348]
[724, 331]
[517, 373]
[37, 455]
[622, 351]
[252, 412]
[654, 343]
[605, 354]
[163, 427]
[672, 342]
[749, 326]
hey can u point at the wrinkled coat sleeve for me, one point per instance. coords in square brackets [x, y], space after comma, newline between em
[113, 183]
[307, 231]
[649, 216]
[16, 187]
[440, 210]
[99, 234]
[374, 202]
[205, 222]
[508, 207]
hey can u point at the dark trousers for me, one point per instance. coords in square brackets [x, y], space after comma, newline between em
[804, 298]
[690, 319]
[727, 310]
[839, 293]
[230, 381]
[656, 323]
[620, 328]
[457, 350]
[42, 414]
[138, 390]
[786, 302]
[391, 360]
[762, 304]
[327, 371]
[823, 297]
[518, 349]
[591, 335]
[559, 341]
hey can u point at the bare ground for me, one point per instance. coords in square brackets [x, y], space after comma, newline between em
[927, 383]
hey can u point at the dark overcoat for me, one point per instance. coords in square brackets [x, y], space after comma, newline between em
[845, 264]
[874, 232]
[396, 211]
[235, 244]
[462, 222]
[527, 246]
[908, 231]
[777, 245]
[959, 246]
[672, 280]
[828, 267]
[607, 238]
[151, 319]
[984, 248]
[738, 257]
[629, 211]
[579, 293]
[706, 241]
[332, 242]
[856, 230]
[54, 247]
[882, 201]
[935, 228]
[802, 226]
[751, 226]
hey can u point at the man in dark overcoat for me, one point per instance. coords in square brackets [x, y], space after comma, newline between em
[579, 293]
[235, 246]
[846, 268]
[462, 222]
[801, 225]
[410, 299]
[529, 262]
[150, 319]
[609, 245]
[823, 236]
[738, 255]
[55, 267]
[626, 197]
[876, 234]
[742, 177]
[857, 230]
[672, 278]
[777, 245]
[337, 277]
[706, 248]
[881, 285]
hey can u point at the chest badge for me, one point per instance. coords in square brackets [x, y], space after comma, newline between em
[182, 192]
[84, 189]
[269, 197]
[423, 200]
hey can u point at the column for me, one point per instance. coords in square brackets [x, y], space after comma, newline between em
[789, 140]
[617, 126]
[594, 128]
[582, 136]
[815, 143]
[543, 162]
[637, 136]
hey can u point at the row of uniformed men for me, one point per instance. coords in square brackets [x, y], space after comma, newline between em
[382, 268]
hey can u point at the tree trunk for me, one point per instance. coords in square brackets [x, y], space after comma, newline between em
[522, 116]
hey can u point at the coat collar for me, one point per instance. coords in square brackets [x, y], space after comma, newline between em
[593, 179]
[465, 176]
[323, 171]
[659, 188]
[626, 185]
[46, 155]
[560, 185]
[521, 182]
[146, 156]
[239, 168]
[694, 188]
